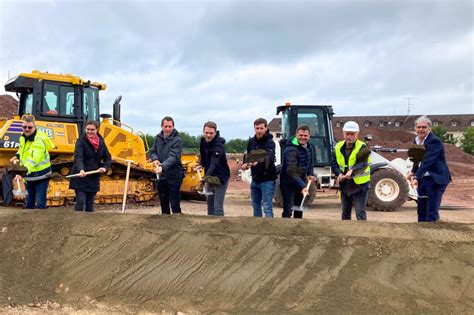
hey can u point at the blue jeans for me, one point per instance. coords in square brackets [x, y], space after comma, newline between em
[428, 207]
[169, 195]
[262, 195]
[360, 201]
[215, 202]
[36, 194]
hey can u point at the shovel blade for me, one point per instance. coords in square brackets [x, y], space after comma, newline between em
[296, 208]
[206, 193]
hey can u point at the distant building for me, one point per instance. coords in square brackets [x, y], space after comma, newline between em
[455, 124]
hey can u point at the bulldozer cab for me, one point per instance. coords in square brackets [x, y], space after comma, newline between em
[58, 98]
[318, 119]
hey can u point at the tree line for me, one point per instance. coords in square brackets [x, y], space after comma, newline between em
[466, 141]
[191, 143]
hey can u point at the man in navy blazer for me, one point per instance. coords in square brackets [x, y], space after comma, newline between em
[431, 176]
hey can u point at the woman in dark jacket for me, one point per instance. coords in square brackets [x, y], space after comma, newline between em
[90, 154]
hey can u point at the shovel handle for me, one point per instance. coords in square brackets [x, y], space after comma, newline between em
[307, 187]
[86, 173]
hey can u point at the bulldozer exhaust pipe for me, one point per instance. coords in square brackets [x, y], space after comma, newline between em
[116, 111]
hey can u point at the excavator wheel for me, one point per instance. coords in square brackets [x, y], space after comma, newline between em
[388, 190]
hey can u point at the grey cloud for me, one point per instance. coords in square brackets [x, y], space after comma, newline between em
[234, 61]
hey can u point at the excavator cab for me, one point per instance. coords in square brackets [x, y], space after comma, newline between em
[389, 188]
[318, 119]
[58, 98]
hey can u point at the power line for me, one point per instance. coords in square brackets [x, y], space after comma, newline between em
[408, 104]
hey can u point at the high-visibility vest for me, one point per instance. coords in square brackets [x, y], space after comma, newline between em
[34, 154]
[359, 177]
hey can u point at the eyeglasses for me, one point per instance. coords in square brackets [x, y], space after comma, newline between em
[27, 127]
[87, 129]
[421, 127]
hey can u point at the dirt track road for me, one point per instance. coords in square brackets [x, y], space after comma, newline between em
[326, 208]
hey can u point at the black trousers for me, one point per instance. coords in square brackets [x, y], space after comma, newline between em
[291, 196]
[85, 199]
[169, 195]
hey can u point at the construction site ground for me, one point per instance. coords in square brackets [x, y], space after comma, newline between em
[61, 261]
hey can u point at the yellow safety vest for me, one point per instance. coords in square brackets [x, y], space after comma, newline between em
[34, 154]
[359, 178]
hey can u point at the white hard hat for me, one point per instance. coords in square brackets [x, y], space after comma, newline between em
[351, 126]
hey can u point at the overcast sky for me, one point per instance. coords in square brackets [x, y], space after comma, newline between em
[234, 61]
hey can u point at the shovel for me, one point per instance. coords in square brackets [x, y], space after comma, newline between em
[18, 192]
[86, 173]
[204, 190]
[157, 177]
[301, 208]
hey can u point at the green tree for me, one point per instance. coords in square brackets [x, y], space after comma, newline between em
[236, 146]
[190, 143]
[150, 139]
[467, 140]
[442, 134]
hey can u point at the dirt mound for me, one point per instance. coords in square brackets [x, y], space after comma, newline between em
[236, 185]
[243, 265]
[8, 106]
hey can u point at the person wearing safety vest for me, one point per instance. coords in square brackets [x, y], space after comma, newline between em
[33, 154]
[353, 175]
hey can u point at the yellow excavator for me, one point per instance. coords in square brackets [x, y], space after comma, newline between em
[61, 105]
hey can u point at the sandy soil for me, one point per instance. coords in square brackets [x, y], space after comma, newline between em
[58, 261]
[65, 262]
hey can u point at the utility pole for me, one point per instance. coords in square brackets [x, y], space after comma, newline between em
[408, 104]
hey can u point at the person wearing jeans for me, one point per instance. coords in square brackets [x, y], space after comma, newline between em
[36, 194]
[262, 196]
[166, 157]
[214, 161]
[215, 202]
[359, 200]
[33, 154]
[260, 158]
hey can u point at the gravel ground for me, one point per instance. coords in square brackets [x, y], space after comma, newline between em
[327, 207]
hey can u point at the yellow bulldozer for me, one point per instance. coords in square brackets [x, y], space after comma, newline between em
[61, 105]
